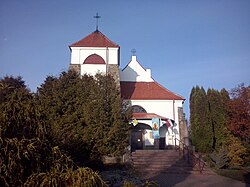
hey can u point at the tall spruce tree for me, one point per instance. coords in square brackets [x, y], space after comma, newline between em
[192, 114]
[201, 131]
[217, 116]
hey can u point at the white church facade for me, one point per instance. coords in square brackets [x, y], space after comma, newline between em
[157, 117]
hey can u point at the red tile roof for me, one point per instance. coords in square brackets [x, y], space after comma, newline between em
[146, 91]
[94, 59]
[146, 116]
[95, 39]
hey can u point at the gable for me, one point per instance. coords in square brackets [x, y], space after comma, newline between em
[134, 72]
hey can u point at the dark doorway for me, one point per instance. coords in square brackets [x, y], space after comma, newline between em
[136, 140]
[162, 143]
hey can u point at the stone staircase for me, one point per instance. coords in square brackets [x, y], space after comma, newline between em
[164, 161]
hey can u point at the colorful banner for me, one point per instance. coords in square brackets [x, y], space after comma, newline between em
[156, 128]
[169, 123]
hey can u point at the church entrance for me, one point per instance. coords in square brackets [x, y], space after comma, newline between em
[163, 132]
[162, 143]
[136, 140]
[141, 137]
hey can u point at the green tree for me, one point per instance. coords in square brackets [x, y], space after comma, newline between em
[107, 122]
[62, 101]
[200, 129]
[226, 130]
[25, 149]
[20, 132]
[217, 116]
[86, 115]
[9, 84]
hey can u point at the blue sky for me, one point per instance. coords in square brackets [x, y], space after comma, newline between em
[185, 42]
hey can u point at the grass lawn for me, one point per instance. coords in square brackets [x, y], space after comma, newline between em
[237, 174]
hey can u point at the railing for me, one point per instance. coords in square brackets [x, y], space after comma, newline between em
[189, 155]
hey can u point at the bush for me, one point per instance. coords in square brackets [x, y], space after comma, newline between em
[67, 178]
[237, 153]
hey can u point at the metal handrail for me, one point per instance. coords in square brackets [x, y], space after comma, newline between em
[195, 159]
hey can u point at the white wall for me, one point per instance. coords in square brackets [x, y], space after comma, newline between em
[92, 69]
[134, 72]
[161, 107]
[164, 108]
[148, 138]
[109, 55]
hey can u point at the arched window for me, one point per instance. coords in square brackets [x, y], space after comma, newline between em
[138, 109]
[94, 59]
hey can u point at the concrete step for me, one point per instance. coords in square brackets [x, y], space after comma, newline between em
[163, 168]
[172, 169]
[146, 164]
[164, 161]
[154, 151]
[151, 158]
[157, 155]
[154, 155]
[144, 167]
[160, 161]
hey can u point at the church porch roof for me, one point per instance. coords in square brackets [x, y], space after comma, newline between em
[146, 116]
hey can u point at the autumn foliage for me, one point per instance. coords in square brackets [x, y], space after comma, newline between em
[239, 112]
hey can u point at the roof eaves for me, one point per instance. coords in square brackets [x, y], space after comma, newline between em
[182, 98]
[99, 32]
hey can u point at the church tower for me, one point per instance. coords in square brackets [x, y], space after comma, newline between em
[95, 54]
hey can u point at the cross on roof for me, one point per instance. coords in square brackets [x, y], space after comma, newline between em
[133, 51]
[97, 17]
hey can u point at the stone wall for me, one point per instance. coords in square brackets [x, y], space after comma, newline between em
[183, 126]
[75, 67]
[113, 69]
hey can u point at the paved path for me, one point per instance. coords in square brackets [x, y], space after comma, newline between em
[195, 180]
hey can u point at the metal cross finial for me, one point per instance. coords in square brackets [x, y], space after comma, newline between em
[97, 17]
[133, 51]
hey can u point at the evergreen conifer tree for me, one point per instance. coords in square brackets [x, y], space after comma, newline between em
[201, 131]
[27, 156]
[217, 116]
[86, 115]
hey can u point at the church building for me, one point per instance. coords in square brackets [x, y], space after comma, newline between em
[158, 117]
